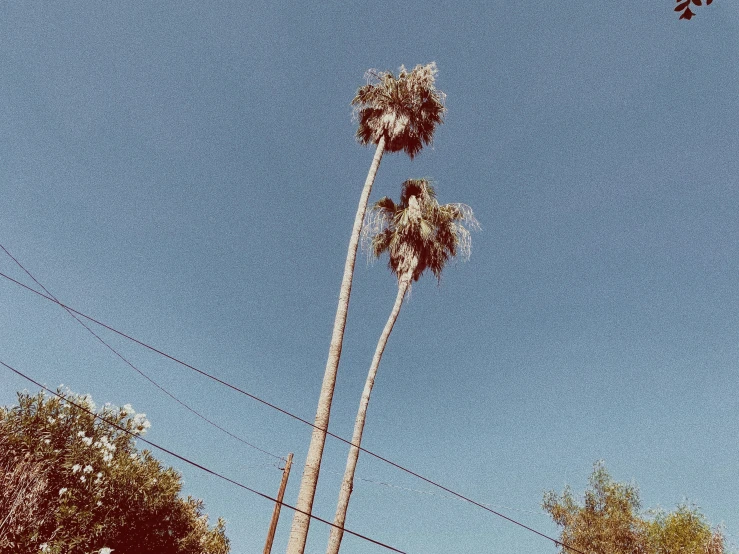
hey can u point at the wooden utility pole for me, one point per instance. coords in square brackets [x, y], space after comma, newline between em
[278, 505]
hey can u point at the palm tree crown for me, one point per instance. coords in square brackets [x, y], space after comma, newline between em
[418, 234]
[405, 109]
[395, 113]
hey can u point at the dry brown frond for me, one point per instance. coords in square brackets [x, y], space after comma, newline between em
[417, 232]
[405, 109]
[462, 227]
[375, 222]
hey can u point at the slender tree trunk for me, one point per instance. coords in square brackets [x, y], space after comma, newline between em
[301, 522]
[347, 485]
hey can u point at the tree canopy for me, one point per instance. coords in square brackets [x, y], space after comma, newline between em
[418, 234]
[610, 521]
[405, 109]
[72, 484]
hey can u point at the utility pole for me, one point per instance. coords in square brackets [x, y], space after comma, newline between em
[278, 505]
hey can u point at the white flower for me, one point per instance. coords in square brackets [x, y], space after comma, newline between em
[87, 441]
[83, 478]
[51, 420]
[76, 468]
[44, 547]
[62, 490]
[100, 475]
[88, 469]
[47, 441]
[141, 429]
[106, 550]
[81, 434]
[100, 503]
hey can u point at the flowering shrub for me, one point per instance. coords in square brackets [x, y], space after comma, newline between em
[71, 484]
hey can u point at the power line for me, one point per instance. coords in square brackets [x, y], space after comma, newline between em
[195, 464]
[298, 418]
[136, 369]
[389, 485]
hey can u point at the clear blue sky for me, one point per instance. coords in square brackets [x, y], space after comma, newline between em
[187, 172]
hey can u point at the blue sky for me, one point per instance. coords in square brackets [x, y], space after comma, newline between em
[188, 173]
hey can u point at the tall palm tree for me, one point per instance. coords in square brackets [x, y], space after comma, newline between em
[418, 234]
[396, 114]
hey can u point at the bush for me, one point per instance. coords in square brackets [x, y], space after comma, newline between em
[610, 522]
[72, 484]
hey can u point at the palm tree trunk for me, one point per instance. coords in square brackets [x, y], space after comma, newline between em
[309, 481]
[337, 533]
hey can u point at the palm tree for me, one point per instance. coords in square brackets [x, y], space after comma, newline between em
[418, 234]
[397, 114]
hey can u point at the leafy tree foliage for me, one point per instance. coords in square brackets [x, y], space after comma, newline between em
[610, 521]
[684, 530]
[683, 6]
[72, 484]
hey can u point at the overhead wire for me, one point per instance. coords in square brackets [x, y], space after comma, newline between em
[197, 465]
[306, 422]
[136, 369]
[387, 484]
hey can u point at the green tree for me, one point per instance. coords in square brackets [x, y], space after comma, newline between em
[395, 114]
[72, 484]
[610, 521]
[685, 530]
[418, 235]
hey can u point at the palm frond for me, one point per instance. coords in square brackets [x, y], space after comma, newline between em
[419, 233]
[376, 221]
[416, 187]
[385, 204]
[463, 221]
[405, 109]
